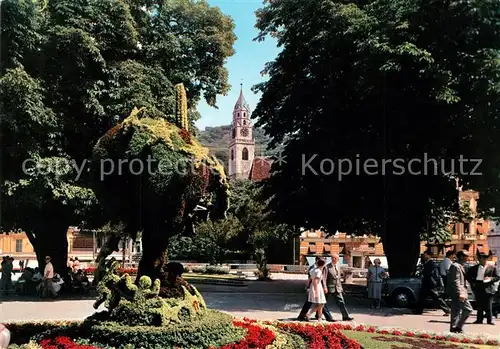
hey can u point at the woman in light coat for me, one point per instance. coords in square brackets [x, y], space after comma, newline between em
[376, 276]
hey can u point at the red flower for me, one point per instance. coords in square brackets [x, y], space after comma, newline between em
[478, 341]
[257, 337]
[396, 333]
[63, 343]
[453, 339]
[321, 337]
[492, 342]
[371, 330]
[424, 335]
[409, 334]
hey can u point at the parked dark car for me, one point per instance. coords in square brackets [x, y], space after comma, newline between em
[404, 292]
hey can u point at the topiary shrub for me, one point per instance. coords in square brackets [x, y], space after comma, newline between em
[214, 329]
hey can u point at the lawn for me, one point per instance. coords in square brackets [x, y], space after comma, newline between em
[378, 341]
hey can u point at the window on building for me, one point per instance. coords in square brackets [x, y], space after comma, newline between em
[244, 154]
[232, 154]
[342, 249]
[244, 122]
[371, 245]
[19, 245]
[137, 246]
[234, 133]
[466, 228]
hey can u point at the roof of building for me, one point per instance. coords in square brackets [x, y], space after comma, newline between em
[261, 169]
[241, 103]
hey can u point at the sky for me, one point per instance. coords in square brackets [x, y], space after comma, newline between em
[244, 66]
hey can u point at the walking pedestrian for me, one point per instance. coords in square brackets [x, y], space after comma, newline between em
[456, 288]
[445, 265]
[431, 283]
[307, 305]
[483, 279]
[334, 285]
[316, 291]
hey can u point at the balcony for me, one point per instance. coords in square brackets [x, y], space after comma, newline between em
[470, 237]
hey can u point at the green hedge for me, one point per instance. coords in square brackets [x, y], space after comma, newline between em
[210, 270]
[215, 329]
[22, 332]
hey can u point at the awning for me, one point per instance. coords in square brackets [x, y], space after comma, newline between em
[312, 260]
[383, 261]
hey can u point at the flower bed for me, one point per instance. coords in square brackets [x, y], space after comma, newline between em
[269, 335]
[256, 335]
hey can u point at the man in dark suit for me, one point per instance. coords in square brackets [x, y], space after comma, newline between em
[431, 282]
[456, 288]
[307, 305]
[483, 279]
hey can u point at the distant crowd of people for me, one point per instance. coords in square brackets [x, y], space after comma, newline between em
[46, 282]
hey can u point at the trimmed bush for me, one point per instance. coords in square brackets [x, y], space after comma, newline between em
[211, 270]
[214, 329]
[199, 270]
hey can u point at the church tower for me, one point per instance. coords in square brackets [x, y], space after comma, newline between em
[241, 145]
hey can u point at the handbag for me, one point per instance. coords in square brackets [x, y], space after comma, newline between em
[493, 288]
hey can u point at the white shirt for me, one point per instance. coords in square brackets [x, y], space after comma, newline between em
[48, 272]
[444, 267]
[480, 273]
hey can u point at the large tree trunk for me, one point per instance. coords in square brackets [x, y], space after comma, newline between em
[154, 246]
[402, 247]
[52, 241]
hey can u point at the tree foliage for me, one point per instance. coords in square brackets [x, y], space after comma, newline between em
[70, 71]
[381, 80]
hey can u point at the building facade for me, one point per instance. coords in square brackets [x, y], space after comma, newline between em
[82, 244]
[242, 144]
[471, 235]
[354, 251]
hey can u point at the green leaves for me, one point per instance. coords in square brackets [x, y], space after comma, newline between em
[378, 82]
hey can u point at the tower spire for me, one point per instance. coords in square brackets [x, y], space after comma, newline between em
[241, 103]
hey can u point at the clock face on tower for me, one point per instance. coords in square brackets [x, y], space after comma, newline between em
[244, 132]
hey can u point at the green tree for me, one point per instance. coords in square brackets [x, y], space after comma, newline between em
[259, 230]
[372, 81]
[215, 238]
[69, 72]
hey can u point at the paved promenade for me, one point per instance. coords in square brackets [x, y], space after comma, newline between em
[265, 306]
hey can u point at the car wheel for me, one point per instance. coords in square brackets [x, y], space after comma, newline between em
[402, 298]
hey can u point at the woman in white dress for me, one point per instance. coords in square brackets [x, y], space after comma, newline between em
[376, 276]
[316, 291]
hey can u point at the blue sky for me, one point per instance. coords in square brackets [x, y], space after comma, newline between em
[246, 64]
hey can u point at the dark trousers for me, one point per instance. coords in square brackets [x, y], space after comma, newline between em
[460, 311]
[433, 293]
[339, 300]
[307, 306]
[445, 280]
[484, 302]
